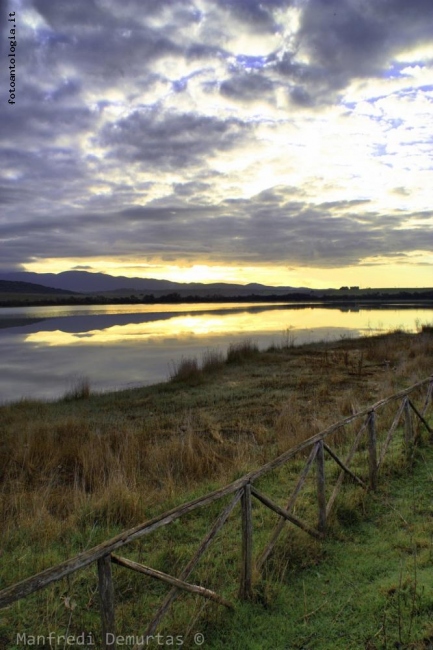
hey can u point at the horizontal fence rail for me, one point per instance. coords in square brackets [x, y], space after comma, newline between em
[243, 491]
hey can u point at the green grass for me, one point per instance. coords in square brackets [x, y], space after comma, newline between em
[78, 471]
[370, 585]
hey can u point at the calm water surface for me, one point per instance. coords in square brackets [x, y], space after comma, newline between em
[44, 351]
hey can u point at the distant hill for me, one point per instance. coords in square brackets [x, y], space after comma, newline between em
[100, 288]
[7, 286]
[85, 282]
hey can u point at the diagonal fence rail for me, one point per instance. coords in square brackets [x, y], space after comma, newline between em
[243, 491]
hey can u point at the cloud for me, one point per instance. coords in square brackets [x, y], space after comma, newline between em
[269, 228]
[347, 39]
[247, 87]
[190, 188]
[187, 137]
[237, 131]
[256, 14]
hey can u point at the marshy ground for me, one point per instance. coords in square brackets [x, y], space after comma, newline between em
[79, 470]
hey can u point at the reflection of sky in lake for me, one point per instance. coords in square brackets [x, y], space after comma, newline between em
[44, 350]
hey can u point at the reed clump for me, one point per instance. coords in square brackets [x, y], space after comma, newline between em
[242, 351]
[81, 389]
[186, 370]
[212, 361]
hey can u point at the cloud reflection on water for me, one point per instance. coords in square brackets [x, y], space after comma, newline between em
[42, 351]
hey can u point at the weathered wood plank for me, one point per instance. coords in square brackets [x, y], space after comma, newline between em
[246, 583]
[418, 414]
[343, 466]
[348, 460]
[40, 580]
[287, 515]
[428, 397]
[106, 600]
[186, 572]
[390, 434]
[372, 450]
[291, 502]
[321, 493]
[165, 577]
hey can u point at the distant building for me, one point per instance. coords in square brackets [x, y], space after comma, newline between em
[354, 288]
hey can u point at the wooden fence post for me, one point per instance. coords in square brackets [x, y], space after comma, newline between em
[279, 527]
[106, 596]
[321, 494]
[246, 589]
[372, 451]
[408, 428]
[428, 397]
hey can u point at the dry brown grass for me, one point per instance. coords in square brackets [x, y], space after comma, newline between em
[188, 369]
[185, 370]
[80, 390]
[212, 361]
[110, 459]
[238, 352]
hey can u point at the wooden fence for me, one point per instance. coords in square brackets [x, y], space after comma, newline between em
[243, 491]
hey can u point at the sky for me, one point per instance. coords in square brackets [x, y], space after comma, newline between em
[287, 142]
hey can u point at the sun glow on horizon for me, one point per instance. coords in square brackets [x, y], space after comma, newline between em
[375, 273]
[371, 275]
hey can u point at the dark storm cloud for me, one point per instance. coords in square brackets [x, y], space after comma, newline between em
[270, 227]
[255, 12]
[300, 97]
[343, 39]
[51, 176]
[428, 214]
[298, 233]
[247, 87]
[170, 140]
[4, 28]
[109, 43]
[44, 120]
[28, 148]
[140, 214]
[347, 39]
[10, 195]
[80, 13]
[342, 205]
[191, 188]
[204, 52]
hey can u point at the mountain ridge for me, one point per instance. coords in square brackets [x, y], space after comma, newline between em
[17, 286]
[88, 283]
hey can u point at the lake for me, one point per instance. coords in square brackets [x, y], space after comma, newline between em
[45, 351]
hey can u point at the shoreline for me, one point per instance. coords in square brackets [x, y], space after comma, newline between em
[82, 389]
[329, 297]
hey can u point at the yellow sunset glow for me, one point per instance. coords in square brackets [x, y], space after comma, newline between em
[373, 273]
[201, 326]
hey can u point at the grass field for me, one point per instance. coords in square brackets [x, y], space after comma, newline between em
[80, 470]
